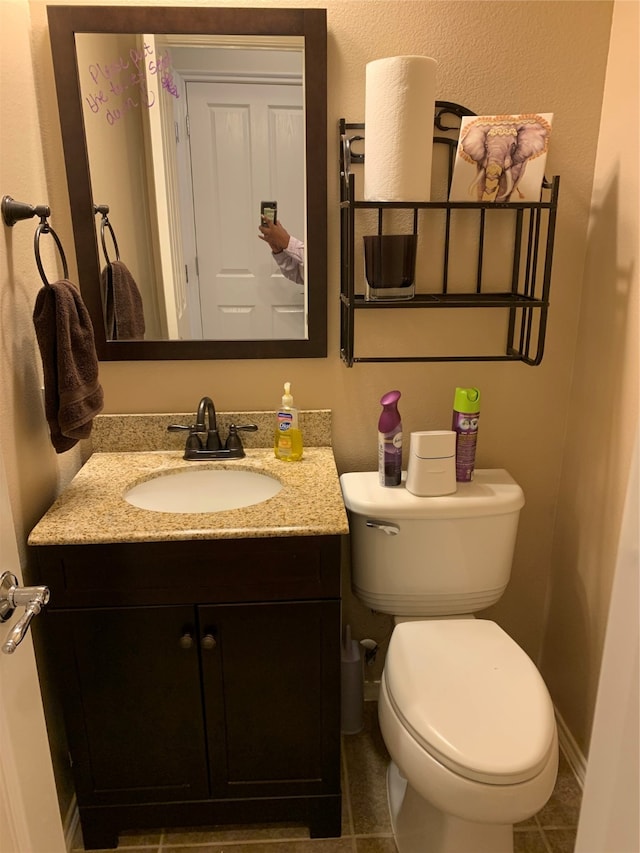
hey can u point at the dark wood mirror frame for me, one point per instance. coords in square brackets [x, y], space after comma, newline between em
[64, 23]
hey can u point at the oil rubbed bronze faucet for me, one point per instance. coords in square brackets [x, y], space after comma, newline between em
[206, 407]
[211, 447]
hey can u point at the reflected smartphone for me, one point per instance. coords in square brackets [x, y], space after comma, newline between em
[269, 210]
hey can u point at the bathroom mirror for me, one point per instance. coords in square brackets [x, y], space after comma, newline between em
[124, 78]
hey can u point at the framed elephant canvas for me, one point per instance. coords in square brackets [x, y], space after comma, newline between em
[501, 158]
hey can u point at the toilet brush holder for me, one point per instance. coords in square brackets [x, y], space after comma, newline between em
[352, 684]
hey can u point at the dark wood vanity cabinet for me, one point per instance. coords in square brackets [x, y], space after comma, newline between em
[199, 680]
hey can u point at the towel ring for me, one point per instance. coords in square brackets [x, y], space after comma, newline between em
[45, 228]
[104, 222]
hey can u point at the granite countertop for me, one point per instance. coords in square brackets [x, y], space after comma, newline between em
[92, 509]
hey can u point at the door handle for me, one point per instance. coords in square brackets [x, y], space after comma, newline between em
[32, 598]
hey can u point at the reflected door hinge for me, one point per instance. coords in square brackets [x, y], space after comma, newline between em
[177, 132]
[197, 267]
[70, 759]
[187, 124]
[186, 273]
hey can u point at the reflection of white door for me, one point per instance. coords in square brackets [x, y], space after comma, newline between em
[165, 179]
[29, 815]
[247, 144]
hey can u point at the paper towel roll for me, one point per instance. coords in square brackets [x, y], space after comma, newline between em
[399, 110]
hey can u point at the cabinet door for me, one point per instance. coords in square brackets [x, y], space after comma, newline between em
[132, 700]
[272, 695]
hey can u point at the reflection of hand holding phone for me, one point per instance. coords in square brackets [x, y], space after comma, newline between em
[269, 211]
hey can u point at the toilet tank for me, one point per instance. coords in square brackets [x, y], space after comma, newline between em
[435, 556]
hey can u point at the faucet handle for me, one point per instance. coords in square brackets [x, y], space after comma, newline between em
[233, 439]
[194, 442]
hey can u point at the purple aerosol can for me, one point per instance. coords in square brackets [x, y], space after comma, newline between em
[466, 413]
[390, 440]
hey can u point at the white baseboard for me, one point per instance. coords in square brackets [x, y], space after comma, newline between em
[571, 750]
[71, 824]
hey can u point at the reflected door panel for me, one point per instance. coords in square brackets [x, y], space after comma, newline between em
[247, 144]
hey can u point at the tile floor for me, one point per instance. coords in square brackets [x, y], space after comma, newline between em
[365, 821]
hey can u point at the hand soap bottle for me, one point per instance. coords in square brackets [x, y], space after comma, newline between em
[288, 438]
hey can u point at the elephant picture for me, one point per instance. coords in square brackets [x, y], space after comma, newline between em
[508, 155]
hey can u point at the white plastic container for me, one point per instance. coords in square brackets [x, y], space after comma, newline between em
[432, 463]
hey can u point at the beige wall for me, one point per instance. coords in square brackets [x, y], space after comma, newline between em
[497, 57]
[34, 474]
[602, 412]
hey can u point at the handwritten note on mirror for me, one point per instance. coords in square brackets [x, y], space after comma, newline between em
[122, 84]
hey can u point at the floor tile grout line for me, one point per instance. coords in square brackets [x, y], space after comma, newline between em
[545, 841]
[374, 835]
[347, 785]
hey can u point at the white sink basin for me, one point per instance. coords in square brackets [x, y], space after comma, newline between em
[202, 490]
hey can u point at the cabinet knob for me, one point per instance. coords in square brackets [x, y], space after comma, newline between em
[186, 641]
[209, 641]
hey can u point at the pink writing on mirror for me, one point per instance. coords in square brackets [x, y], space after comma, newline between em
[115, 114]
[138, 56]
[162, 67]
[96, 101]
[125, 83]
[107, 71]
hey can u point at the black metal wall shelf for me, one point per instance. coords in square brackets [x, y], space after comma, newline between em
[529, 261]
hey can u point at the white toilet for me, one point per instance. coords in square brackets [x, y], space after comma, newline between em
[463, 711]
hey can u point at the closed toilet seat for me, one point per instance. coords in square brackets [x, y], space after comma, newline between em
[472, 698]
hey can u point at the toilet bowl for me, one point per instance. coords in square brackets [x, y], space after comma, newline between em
[464, 713]
[469, 725]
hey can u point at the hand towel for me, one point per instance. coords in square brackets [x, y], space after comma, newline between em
[72, 393]
[106, 290]
[124, 313]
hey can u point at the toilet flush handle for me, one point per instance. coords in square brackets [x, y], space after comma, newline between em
[387, 527]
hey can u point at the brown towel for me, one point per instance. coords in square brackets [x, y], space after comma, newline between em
[72, 393]
[123, 310]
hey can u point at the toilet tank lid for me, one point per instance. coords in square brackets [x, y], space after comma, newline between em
[493, 491]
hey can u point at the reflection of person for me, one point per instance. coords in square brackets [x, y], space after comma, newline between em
[288, 251]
